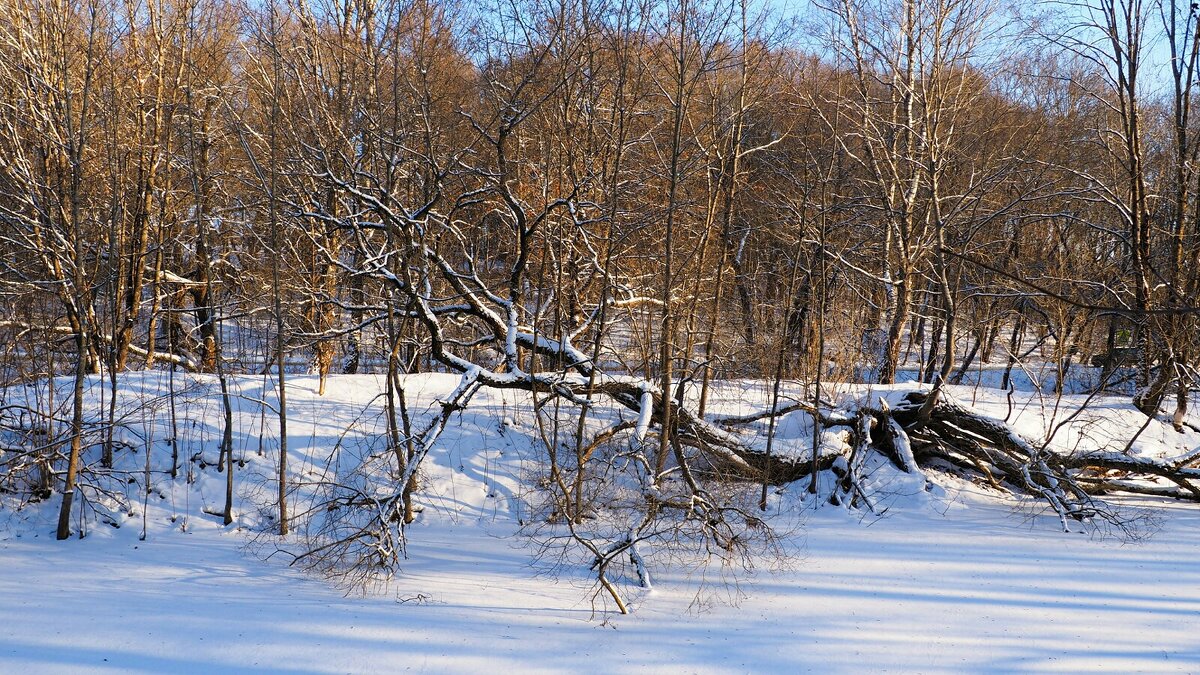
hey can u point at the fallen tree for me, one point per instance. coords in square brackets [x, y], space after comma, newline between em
[509, 316]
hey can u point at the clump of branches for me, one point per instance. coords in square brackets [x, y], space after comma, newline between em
[353, 529]
[610, 506]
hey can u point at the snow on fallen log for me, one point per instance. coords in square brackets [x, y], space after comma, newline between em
[645, 413]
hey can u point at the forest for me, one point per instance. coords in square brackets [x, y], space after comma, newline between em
[617, 209]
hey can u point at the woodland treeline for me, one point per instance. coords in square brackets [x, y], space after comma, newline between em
[540, 193]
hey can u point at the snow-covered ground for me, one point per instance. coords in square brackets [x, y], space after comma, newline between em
[950, 580]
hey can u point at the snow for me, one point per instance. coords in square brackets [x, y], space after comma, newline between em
[645, 411]
[951, 578]
[977, 589]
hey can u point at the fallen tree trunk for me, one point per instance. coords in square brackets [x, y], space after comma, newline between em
[915, 437]
[1070, 483]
